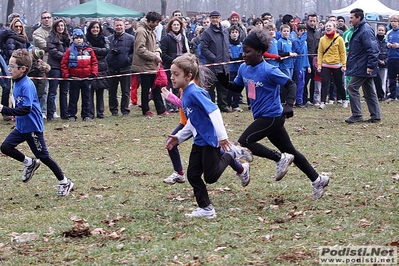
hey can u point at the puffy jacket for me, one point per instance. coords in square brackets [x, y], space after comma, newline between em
[120, 55]
[169, 49]
[39, 39]
[215, 47]
[363, 51]
[146, 48]
[56, 49]
[13, 41]
[87, 64]
[100, 46]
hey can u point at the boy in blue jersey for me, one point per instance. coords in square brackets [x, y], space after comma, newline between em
[205, 123]
[29, 123]
[301, 63]
[284, 46]
[263, 82]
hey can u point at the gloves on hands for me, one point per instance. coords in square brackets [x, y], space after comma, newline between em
[288, 111]
[223, 78]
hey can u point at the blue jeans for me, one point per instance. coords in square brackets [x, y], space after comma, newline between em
[52, 95]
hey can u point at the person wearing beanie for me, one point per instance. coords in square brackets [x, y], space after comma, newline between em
[263, 82]
[235, 20]
[79, 62]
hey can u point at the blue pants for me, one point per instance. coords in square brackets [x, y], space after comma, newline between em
[52, 95]
[300, 85]
[393, 71]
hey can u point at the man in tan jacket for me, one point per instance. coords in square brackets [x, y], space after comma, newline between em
[146, 58]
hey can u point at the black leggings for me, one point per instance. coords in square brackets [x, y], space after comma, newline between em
[325, 82]
[274, 130]
[36, 143]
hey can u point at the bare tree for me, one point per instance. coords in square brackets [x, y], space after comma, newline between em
[10, 7]
[164, 5]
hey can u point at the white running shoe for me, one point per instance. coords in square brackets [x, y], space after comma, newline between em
[202, 213]
[319, 185]
[345, 104]
[63, 190]
[173, 178]
[30, 170]
[244, 176]
[241, 152]
[322, 106]
[282, 165]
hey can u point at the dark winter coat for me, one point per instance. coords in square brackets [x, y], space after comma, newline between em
[56, 49]
[12, 41]
[120, 56]
[215, 47]
[169, 49]
[363, 52]
[100, 45]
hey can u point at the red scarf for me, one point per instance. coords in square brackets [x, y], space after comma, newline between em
[330, 35]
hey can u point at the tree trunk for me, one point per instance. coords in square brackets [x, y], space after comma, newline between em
[10, 8]
[163, 7]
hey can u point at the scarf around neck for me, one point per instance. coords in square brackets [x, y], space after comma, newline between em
[330, 35]
[178, 40]
[73, 55]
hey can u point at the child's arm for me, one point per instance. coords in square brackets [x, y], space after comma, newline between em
[221, 133]
[170, 97]
[20, 111]
[185, 133]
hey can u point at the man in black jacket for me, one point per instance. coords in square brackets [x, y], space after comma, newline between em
[312, 40]
[119, 61]
[215, 48]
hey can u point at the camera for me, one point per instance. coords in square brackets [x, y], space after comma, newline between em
[115, 51]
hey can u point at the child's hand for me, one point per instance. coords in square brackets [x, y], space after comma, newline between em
[225, 144]
[165, 93]
[293, 54]
[309, 70]
[171, 142]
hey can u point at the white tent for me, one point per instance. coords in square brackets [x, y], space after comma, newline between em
[368, 6]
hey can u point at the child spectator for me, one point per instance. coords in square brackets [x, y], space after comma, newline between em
[284, 46]
[381, 80]
[301, 63]
[29, 125]
[271, 55]
[317, 83]
[393, 56]
[233, 98]
[206, 124]
[79, 61]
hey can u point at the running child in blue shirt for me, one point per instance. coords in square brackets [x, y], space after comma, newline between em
[29, 123]
[205, 123]
[263, 82]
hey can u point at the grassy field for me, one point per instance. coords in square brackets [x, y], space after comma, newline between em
[118, 164]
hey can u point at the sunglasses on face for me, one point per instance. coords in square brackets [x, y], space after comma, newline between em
[46, 17]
